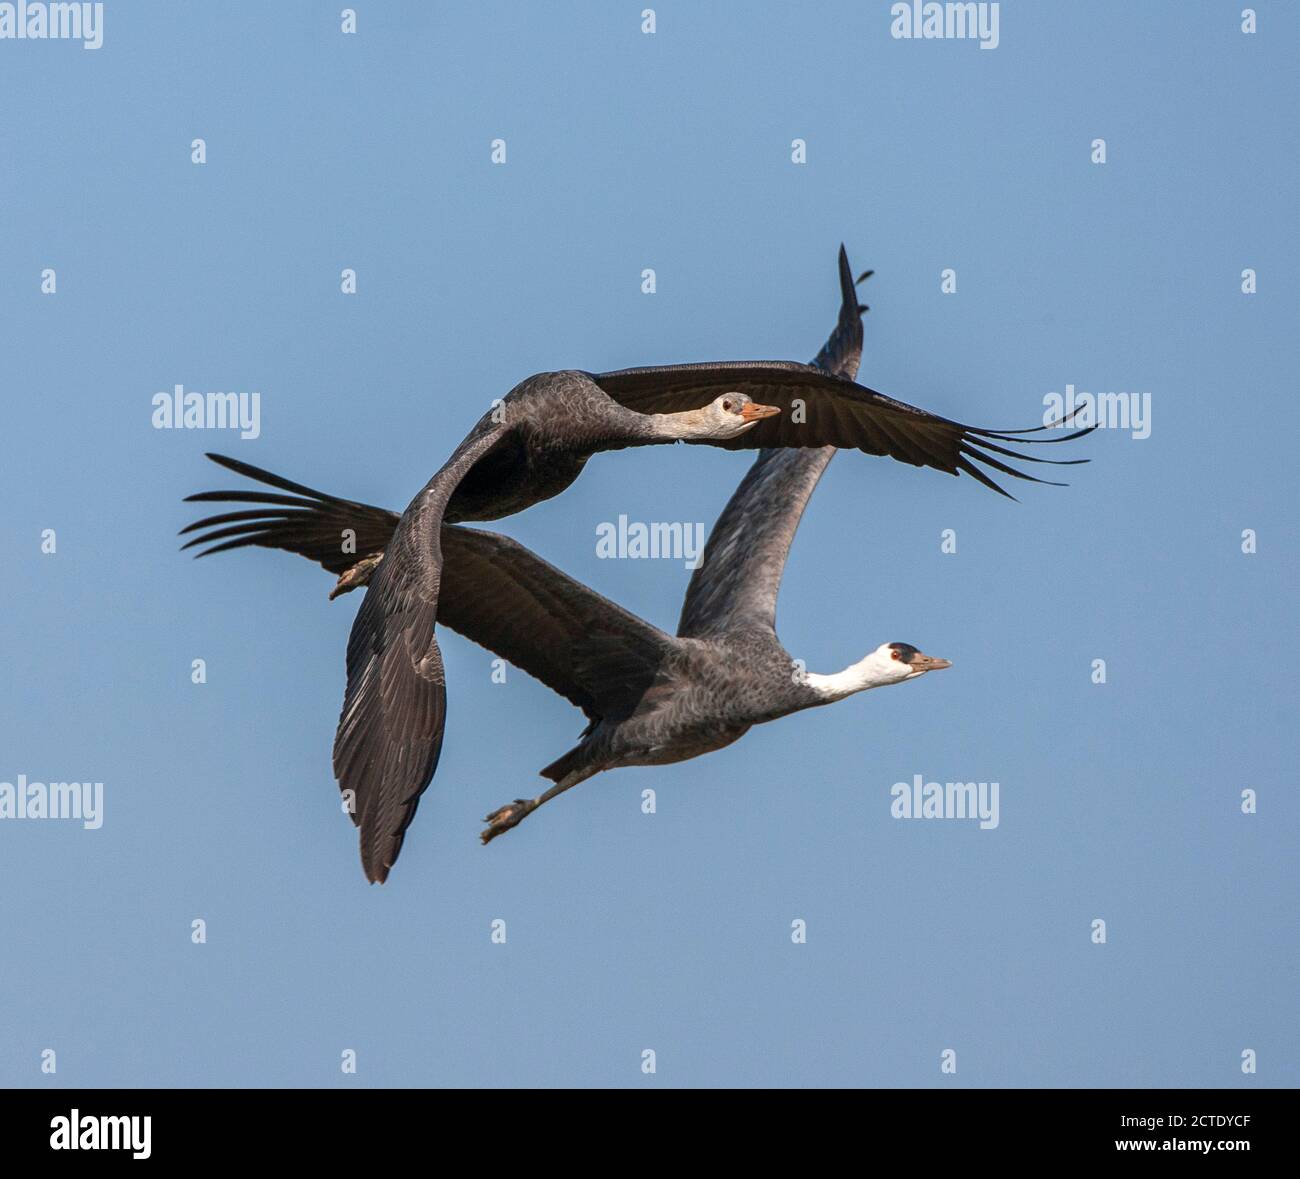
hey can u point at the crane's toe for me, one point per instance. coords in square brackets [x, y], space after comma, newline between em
[503, 818]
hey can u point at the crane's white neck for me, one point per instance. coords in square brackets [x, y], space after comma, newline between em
[871, 672]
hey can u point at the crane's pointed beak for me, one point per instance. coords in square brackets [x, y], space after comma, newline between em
[753, 412]
[920, 663]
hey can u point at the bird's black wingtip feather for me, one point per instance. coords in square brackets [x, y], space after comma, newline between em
[847, 297]
[998, 465]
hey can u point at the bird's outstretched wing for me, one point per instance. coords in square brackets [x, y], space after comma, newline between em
[494, 591]
[335, 533]
[736, 584]
[843, 348]
[821, 408]
[390, 729]
[503, 596]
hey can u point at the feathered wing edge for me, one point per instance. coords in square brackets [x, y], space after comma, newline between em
[336, 533]
[390, 730]
[737, 583]
[494, 591]
[821, 408]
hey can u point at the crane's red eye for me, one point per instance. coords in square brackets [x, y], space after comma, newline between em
[897, 656]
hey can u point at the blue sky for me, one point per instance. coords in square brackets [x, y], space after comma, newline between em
[670, 932]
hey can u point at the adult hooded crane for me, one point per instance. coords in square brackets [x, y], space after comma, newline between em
[619, 669]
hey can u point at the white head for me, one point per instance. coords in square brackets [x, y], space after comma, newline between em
[890, 663]
[727, 416]
[896, 662]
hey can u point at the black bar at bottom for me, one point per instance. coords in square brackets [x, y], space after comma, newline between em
[340, 1126]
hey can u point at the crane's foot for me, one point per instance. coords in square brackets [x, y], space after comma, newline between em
[503, 818]
[358, 574]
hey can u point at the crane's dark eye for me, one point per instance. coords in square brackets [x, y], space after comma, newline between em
[728, 405]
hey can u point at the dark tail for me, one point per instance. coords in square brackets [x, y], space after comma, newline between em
[563, 766]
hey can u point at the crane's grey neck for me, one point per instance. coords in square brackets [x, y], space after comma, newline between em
[679, 427]
[857, 677]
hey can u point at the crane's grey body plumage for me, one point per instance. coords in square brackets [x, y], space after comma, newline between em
[650, 698]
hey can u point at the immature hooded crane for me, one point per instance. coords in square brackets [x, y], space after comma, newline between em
[650, 698]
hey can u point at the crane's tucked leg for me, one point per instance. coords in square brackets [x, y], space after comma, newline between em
[355, 575]
[514, 813]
